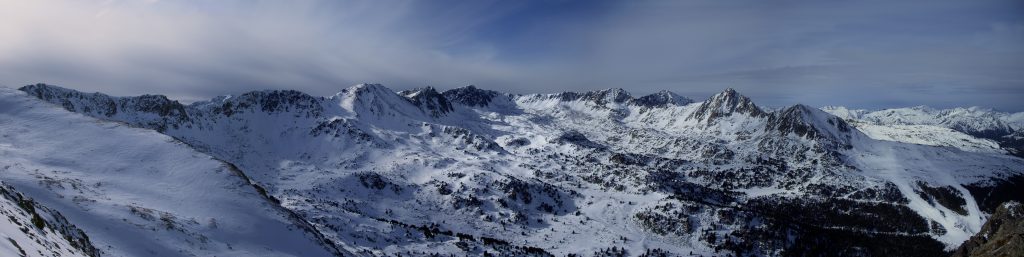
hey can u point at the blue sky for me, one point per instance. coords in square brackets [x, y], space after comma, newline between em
[862, 54]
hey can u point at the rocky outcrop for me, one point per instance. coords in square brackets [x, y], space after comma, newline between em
[471, 96]
[661, 99]
[725, 104]
[811, 123]
[600, 97]
[150, 111]
[1002, 235]
[429, 100]
[36, 221]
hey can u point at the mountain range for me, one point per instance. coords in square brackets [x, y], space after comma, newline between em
[470, 172]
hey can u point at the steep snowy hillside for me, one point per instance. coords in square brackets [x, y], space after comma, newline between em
[469, 171]
[34, 230]
[135, 192]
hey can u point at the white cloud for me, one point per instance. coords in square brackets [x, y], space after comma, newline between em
[866, 53]
[197, 49]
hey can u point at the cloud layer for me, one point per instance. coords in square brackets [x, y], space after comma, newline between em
[868, 54]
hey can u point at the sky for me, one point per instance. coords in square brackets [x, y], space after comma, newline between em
[860, 54]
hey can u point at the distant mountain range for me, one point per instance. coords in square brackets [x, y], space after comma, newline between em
[472, 172]
[1005, 129]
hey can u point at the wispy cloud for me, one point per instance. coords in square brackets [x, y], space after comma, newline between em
[869, 54]
[196, 49]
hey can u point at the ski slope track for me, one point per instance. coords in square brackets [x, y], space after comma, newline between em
[470, 171]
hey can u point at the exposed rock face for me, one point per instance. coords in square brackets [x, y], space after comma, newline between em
[161, 113]
[43, 231]
[471, 96]
[661, 99]
[813, 124]
[725, 104]
[429, 100]
[600, 97]
[1002, 235]
[605, 97]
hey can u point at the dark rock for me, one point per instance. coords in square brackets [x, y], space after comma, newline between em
[726, 104]
[661, 99]
[429, 100]
[471, 96]
[1002, 234]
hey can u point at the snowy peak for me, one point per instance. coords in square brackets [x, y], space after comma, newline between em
[376, 101]
[471, 96]
[429, 101]
[811, 123]
[271, 101]
[367, 90]
[662, 99]
[725, 104]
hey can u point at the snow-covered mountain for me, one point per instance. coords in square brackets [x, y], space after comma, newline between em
[973, 120]
[971, 129]
[471, 171]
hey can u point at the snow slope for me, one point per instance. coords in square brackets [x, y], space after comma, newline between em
[136, 192]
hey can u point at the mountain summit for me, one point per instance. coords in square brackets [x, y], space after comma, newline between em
[725, 104]
[661, 99]
[429, 100]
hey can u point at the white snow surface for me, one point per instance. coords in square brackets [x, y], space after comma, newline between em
[136, 192]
